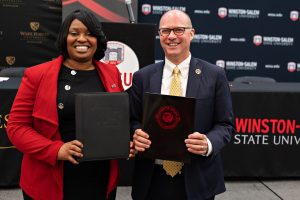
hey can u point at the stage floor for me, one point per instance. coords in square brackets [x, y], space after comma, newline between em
[236, 190]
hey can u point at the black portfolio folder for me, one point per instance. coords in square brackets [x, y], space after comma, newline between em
[102, 125]
[168, 120]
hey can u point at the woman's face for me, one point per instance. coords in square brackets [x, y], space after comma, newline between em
[81, 44]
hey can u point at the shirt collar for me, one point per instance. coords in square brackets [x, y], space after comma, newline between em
[183, 67]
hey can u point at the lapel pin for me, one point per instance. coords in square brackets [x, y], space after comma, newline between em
[113, 85]
[198, 71]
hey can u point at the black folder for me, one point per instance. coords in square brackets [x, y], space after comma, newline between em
[168, 120]
[102, 125]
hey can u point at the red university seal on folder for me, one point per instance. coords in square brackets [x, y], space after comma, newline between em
[168, 120]
[167, 117]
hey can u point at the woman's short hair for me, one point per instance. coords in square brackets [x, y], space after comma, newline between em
[93, 25]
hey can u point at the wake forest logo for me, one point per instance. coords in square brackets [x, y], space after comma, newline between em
[34, 35]
[34, 26]
[11, 3]
[10, 60]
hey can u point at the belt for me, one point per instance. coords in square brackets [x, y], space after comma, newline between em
[158, 162]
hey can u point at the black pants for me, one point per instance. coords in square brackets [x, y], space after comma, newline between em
[165, 187]
[25, 196]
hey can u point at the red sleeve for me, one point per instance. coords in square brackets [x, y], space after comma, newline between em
[21, 123]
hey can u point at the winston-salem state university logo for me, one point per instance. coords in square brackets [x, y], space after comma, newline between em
[220, 63]
[167, 117]
[114, 53]
[120, 54]
[291, 66]
[294, 15]
[10, 60]
[257, 40]
[34, 26]
[222, 12]
[146, 9]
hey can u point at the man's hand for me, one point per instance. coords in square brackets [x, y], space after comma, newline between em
[140, 140]
[197, 143]
[70, 149]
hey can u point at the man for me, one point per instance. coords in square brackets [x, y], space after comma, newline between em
[202, 178]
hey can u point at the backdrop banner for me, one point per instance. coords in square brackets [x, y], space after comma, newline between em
[28, 30]
[247, 38]
[106, 11]
[10, 157]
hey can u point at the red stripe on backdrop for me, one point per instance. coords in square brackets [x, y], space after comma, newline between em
[98, 9]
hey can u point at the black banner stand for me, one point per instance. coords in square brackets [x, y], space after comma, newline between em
[141, 38]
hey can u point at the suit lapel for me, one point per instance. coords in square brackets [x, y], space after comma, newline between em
[47, 93]
[195, 76]
[156, 78]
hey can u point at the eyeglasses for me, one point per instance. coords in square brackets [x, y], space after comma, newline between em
[177, 31]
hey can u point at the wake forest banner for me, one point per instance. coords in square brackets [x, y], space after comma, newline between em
[247, 38]
[28, 30]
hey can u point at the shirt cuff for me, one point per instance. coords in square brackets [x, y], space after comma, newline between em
[209, 148]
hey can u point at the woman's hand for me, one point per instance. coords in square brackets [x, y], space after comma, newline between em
[141, 140]
[132, 150]
[69, 150]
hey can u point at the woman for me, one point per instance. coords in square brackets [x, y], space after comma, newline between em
[42, 118]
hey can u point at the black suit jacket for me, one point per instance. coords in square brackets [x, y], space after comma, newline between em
[213, 117]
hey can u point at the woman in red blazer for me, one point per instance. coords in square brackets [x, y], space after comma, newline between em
[42, 119]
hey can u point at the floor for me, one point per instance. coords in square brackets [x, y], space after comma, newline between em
[236, 190]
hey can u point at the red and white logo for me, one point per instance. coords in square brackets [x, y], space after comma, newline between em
[222, 12]
[291, 66]
[146, 9]
[124, 57]
[294, 15]
[167, 117]
[220, 63]
[257, 40]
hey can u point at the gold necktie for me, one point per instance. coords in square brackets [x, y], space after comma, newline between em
[173, 167]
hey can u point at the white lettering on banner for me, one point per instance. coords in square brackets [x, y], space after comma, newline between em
[268, 66]
[237, 39]
[158, 9]
[243, 13]
[278, 41]
[205, 12]
[207, 38]
[251, 139]
[275, 15]
[240, 65]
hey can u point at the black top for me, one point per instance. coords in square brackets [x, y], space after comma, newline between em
[88, 180]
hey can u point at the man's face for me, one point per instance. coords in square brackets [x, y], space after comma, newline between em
[176, 46]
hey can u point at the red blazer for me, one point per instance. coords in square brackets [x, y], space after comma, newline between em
[33, 128]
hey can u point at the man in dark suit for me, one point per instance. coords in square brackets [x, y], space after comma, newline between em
[202, 178]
